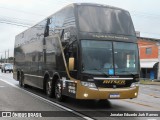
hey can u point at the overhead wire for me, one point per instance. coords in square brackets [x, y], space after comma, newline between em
[18, 19]
[15, 24]
[24, 23]
[32, 13]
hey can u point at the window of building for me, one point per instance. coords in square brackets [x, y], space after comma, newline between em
[148, 50]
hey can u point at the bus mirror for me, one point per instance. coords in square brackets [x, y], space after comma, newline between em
[14, 60]
[71, 63]
[67, 36]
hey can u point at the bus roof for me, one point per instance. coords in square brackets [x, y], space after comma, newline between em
[76, 4]
[100, 5]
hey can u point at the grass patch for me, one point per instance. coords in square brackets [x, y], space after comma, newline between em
[149, 82]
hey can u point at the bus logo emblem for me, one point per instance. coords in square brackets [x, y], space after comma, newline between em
[118, 82]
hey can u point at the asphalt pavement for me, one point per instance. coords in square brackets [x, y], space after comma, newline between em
[14, 98]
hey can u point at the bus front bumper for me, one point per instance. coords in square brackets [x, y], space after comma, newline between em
[106, 93]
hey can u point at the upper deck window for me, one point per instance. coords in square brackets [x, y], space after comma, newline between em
[105, 20]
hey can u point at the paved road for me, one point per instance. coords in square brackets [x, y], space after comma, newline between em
[14, 98]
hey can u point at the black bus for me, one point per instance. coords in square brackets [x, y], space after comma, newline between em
[83, 51]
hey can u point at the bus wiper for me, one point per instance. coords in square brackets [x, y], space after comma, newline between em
[101, 71]
[128, 72]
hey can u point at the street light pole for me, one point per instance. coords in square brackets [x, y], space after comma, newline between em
[5, 56]
[8, 55]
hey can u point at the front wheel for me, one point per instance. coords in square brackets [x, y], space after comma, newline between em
[58, 91]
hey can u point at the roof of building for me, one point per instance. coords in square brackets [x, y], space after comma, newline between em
[149, 39]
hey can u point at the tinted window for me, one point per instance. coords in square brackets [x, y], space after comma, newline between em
[105, 20]
[126, 57]
[98, 57]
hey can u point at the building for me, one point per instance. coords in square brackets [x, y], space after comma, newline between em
[148, 51]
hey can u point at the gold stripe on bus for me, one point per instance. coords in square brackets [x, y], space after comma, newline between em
[64, 59]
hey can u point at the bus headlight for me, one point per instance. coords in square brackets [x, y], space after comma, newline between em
[135, 84]
[88, 84]
[137, 79]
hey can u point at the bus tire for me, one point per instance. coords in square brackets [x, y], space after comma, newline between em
[49, 88]
[22, 80]
[58, 91]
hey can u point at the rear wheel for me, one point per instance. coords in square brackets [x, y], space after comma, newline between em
[58, 91]
[49, 88]
[22, 80]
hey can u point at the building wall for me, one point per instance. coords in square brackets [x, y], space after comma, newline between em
[148, 59]
[143, 45]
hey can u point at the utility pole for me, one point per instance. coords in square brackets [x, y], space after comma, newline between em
[5, 56]
[8, 55]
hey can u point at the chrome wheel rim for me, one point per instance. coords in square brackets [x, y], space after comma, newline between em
[48, 87]
[58, 90]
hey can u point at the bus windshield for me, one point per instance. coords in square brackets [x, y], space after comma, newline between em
[105, 20]
[106, 57]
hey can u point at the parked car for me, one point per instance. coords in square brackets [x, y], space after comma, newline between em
[0, 65]
[7, 67]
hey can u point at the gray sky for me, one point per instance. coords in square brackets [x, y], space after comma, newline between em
[145, 15]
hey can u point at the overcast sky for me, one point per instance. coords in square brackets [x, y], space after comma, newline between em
[17, 15]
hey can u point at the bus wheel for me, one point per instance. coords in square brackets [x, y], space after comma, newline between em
[22, 80]
[49, 88]
[58, 91]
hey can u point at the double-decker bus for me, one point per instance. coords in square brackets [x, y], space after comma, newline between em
[84, 51]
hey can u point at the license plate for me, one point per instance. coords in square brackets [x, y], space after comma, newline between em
[114, 95]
